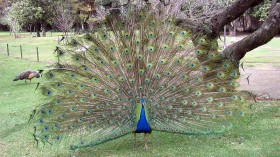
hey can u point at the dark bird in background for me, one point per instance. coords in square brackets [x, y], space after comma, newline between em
[28, 75]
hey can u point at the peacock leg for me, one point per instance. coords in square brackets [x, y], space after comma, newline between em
[25, 81]
[145, 139]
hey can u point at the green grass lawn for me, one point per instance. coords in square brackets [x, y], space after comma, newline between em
[17, 100]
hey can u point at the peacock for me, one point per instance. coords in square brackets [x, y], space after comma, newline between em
[28, 75]
[139, 73]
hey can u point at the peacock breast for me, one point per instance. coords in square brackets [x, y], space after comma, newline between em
[31, 76]
[143, 125]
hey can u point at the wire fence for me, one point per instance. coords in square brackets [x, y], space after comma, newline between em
[40, 49]
[19, 48]
[24, 52]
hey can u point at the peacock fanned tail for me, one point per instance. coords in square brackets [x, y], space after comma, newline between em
[94, 95]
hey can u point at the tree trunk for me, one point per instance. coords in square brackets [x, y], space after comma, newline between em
[15, 34]
[44, 26]
[38, 27]
[82, 24]
[234, 28]
[225, 37]
[30, 28]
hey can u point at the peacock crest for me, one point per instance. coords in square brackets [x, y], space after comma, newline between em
[137, 74]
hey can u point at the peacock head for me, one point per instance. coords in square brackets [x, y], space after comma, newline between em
[38, 75]
[143, 99]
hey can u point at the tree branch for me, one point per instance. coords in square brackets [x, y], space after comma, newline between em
[269, 28]
[216, 23]
[238, 8]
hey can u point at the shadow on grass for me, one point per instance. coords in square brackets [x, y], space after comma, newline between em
[26, 84]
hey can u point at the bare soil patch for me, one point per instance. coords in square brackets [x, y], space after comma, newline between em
[264, 78]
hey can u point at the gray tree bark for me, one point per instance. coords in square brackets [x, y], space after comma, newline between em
[273, 4]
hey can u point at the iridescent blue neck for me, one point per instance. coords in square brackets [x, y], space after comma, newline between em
[143, 125]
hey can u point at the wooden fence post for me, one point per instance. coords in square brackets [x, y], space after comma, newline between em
[8, 52]
[225, 37]
[20, 51]
[37, 54]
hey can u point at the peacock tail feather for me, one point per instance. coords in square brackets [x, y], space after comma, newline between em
[95, 95]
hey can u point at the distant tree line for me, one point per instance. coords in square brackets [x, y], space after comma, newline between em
[42, 15]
